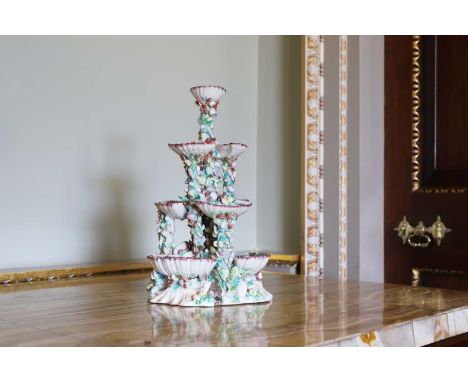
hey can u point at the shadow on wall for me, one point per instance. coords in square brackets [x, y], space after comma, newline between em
[279, 135]
[114, 226]
[290, 87]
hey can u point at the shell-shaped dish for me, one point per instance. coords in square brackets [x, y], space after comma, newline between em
[213, 209]
[204, 92]
[175, 209]
[185, 267]
[231, 150]
[243, 202]
[252, 262]
[192, 148]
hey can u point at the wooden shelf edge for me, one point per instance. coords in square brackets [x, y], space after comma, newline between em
[17, 275]
[284, 257]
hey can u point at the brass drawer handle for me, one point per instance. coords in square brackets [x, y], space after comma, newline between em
[408, 233]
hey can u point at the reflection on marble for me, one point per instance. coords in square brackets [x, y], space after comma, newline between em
[404, 303]
[237, 325]
[112, 311]
[383, 314]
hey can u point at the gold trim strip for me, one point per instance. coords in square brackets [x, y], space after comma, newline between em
[416, 130]
[343, 159]
[284, 257]
[415, 117]
[303, 156]
[18, 275]
[312, 155]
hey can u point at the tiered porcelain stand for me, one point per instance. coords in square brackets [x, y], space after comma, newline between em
[205, 271]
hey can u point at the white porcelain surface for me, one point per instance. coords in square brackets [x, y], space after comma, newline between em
[183, 250]
[252, 263]
[186, 267]
[213, 209]
[184, 296]
[231, 150]
[204, 92]
[173, 208]
[193, 148]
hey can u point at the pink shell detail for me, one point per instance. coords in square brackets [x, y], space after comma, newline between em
[252, 263]
[231, 150]
[192, 148]
[175, 209]
[185, 267]
[213, 209]
[204, 92]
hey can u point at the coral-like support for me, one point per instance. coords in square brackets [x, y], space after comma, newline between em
[208, 109]
[165, 233]
[205, 271]
[197, 231]
[228, 180]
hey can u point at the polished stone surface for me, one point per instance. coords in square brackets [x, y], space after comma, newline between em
[112, 311]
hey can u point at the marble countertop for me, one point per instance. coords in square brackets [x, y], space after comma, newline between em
[112, 311]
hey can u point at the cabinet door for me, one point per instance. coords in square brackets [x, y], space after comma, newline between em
[426, 157]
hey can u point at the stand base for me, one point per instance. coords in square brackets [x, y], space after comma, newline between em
[247, 289]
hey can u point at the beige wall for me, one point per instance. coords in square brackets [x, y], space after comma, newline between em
[371, 157]
[365, 157]
[278, 139]
[84, 127]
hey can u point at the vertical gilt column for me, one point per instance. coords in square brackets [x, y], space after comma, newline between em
[343, 157]
[312, 156]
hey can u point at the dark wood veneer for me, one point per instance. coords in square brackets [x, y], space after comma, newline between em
[443, 153]
[457, 341]
[444, 110]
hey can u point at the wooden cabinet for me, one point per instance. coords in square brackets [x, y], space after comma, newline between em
[426, 155]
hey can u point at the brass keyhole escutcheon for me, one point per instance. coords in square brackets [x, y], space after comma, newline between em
[421, 236]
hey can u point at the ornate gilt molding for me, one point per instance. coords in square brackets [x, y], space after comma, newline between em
[416, 127]
[312, 155]
[343, 159]
[415, 116]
